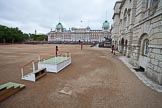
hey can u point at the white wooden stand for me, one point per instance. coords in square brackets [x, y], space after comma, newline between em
[55, 67]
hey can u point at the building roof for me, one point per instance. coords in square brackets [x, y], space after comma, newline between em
[59, 25]
[88, 27]
[105, 24]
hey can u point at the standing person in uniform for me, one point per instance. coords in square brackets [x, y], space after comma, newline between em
[81, 45]
[113, 49]
[56, 50]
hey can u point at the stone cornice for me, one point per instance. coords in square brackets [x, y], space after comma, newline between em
[122, 3]
[116, 3]
[149, 18]
[115, 14]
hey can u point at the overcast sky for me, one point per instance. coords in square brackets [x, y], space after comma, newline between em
[44, 15]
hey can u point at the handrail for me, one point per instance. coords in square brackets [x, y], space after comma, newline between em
[45, 58]
[27, 64]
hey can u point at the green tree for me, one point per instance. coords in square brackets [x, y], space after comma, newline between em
[40, 37]
[12, 35]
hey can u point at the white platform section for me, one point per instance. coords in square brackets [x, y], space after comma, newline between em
[29, 77]
[33, 76]
[55, 64]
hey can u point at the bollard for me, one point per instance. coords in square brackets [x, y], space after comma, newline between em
[22, 72]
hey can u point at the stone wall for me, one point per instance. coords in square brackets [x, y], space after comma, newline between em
[152, 26]
[154, 69]
[145, 22]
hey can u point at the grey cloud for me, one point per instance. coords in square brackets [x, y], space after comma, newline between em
[43, 15]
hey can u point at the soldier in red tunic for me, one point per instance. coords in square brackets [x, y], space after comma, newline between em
[81, 45]
[113, 49]
[56, 50]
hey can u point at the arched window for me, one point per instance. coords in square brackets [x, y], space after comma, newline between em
[145, 47]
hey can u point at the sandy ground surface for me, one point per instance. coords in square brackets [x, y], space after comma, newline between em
[95, 79]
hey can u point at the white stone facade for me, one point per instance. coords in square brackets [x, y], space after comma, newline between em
[143, 31]
[79, 34]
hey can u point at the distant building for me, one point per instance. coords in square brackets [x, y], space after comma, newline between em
[75, 34]
[137, 33]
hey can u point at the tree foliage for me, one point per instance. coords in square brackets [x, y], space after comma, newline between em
[40, 37]
[12, 35]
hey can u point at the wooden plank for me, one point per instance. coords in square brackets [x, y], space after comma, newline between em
[41, 76]
[2, 87]
[9, 92]
[11, 88]
[39, 70]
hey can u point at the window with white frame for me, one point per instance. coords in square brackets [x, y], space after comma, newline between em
[145, 47]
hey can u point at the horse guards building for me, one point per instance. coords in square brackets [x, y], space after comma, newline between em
[137, 33]
[74, 35]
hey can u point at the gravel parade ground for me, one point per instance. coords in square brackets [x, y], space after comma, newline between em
[95, 79]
